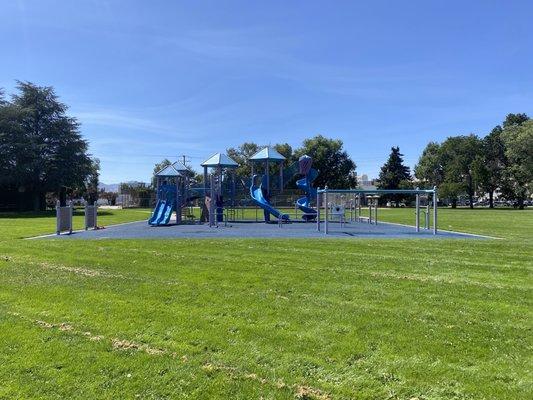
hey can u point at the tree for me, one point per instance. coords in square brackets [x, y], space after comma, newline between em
[111, 197]
[457, 154]
[429, 168]
[489, 165]
[515, 119]
[394, 175]
[137, 194]
[285, 150]
[241, 155]
[41, 148]
[158, 167]
[336, 168]
[92, 182]
[518, 175]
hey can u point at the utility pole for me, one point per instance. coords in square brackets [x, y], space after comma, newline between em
[184, 158]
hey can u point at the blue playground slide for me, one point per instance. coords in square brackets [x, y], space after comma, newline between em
[162, 213]
[164, 208]
[304, 203]
[256, 192]
[157, 213]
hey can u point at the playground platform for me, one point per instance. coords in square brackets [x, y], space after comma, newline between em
[141, 230]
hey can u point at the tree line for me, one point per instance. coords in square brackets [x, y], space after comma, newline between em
[472, 165]
[469, 165]
[42, 154]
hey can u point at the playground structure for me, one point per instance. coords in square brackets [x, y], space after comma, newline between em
[331, 203]
[222, 169]
[260, 194]
[220, 190]
[337, 211]
[306, 184]
[172, 183]
[174, 192]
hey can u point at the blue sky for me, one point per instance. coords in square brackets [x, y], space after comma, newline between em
[154, 79]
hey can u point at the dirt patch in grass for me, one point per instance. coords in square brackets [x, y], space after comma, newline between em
[300, 391]
[79, 270]
[120, 344]
[309, 393]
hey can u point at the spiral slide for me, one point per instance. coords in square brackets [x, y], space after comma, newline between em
[304, 203]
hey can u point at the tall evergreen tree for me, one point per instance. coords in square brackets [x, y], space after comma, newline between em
[394, 175]
[41, 148]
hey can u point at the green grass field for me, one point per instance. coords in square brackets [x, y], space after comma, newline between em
[268, 319]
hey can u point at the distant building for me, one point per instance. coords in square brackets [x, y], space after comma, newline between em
[364, 183]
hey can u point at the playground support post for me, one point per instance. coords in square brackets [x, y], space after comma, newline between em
[372, 209]
[326, 210]
[318, 210]
[178, 201]
[267, 172]
[281, 177]
[358, 213]
[212, 201]
[417, 211]
[434, 210]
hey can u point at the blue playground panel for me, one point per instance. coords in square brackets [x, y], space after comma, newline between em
[140, 230]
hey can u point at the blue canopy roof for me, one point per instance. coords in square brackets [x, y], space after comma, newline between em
[220, 160]
[180, 167]
[176, 169]
[268, 153]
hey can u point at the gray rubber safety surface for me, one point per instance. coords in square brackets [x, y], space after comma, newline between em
[141, 230]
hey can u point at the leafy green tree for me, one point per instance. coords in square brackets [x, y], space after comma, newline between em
[394, 175]
[518, 175]
[458, 154]
[336, 168]
[285, 150]
[429, 169]
[92, 182]
[241, 155]
[158, 167]
[515, 119]
[488, 167]
[111, 197]
[41, 148]
[139, 193]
